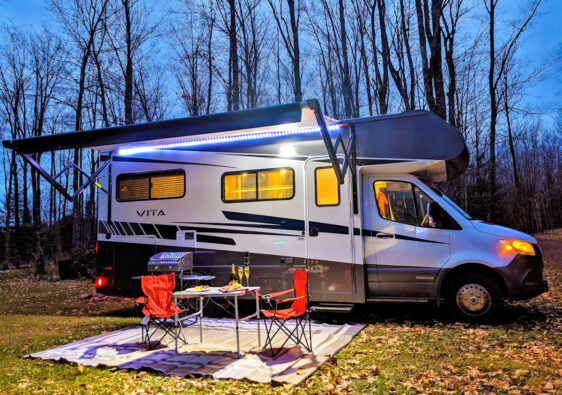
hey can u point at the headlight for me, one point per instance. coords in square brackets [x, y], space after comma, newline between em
[517, 246]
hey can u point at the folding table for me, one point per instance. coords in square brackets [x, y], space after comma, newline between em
[214, 292]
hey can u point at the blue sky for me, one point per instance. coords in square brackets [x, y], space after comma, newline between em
[541, 43]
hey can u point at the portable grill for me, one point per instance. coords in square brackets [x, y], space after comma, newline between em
[169, 262]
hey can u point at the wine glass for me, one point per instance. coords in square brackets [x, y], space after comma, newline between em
[247, 273]
[240, 274]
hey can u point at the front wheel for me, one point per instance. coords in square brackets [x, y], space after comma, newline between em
[473, 298]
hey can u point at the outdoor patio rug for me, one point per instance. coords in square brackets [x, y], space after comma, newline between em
[216, 356]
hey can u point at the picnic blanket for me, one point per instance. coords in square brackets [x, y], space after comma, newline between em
[215, 356]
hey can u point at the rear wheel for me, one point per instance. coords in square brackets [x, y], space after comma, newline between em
[473, 298]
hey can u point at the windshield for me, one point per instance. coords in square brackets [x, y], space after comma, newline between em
[457, 208]
[451, 203]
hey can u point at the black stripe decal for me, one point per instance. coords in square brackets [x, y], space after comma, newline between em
[282, 223]
[102, 228]
[215, 240]
[114, 229]
[128, 228]
[124, 228]
[329, 228]
[373, 233]
[137, 230]
[239, 225]
[243, 232]
[145, 160]
[167, 231]
[149, 229]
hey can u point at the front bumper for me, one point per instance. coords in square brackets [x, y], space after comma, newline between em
[524, 276]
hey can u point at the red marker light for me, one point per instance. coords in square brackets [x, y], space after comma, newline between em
[96, 247]
[101, 281]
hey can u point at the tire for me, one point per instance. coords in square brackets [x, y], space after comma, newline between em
[474, 298]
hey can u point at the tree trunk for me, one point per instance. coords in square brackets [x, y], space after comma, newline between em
[25, 202]
[296, 51]
[76, 211]
[233, 40]
[493, 114]
[8, 217]
[210, 67]
[347, 93]
[436, 60]
[432, 69]
[129, 65]
[516, 178]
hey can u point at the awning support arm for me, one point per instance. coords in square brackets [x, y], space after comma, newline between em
[71, 165]
[47, 176]
[52, 180]
[348, 148]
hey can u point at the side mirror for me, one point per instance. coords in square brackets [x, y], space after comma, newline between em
[434, 215]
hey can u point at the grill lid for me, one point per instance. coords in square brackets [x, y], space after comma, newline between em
[170, 261]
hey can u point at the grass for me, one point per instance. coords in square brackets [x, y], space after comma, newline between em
[403, 349]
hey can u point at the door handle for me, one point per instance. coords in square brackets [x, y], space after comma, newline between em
[313, 231]
[382, 235]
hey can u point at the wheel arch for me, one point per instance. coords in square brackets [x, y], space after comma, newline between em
[464, 268]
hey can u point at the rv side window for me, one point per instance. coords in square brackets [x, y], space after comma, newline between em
[153, 185]
[395, 201]
[276, 184]
[270, 184]
[422, 201]
[240, 186]
[402, 202]
[327, 187]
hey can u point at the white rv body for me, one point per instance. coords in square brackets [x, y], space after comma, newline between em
[389, 237]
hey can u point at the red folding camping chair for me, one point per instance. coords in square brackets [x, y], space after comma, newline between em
[297, 310]
[159, 309]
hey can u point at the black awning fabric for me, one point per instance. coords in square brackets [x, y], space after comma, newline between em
[191, 126]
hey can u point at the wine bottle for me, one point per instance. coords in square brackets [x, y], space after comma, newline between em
[233, 276]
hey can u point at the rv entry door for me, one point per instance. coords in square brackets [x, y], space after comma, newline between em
[329, 235]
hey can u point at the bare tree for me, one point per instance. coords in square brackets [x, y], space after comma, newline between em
[13, 81]
[133, 27]
[46, 70]
[429, 31]
[253, 30]
[498, 62]
[452, 12]
[290, 35]
[82, 21]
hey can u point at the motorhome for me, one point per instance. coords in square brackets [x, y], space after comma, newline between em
[361, 213]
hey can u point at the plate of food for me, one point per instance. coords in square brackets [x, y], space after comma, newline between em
[199, 288]
[232, 287]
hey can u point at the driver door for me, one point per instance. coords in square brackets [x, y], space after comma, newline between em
[409, 253]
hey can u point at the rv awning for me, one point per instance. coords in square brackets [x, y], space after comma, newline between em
[242, 126]
[121, 136]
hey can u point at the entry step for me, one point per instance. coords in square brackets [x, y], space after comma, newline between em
[332, 308]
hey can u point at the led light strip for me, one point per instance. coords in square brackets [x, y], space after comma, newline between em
[199, 141]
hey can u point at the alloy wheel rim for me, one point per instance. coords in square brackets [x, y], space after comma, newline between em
[474, 299]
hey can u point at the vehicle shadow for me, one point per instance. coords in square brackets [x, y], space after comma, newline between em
[520, 315]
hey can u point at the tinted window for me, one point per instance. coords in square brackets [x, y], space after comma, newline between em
[153, 185]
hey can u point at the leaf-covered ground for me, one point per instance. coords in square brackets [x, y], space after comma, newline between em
[403, 349]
